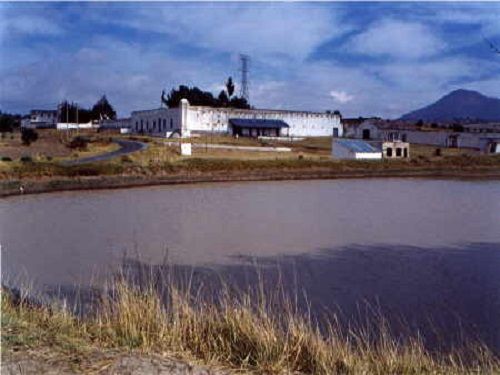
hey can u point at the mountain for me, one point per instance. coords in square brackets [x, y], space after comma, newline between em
[459, 105]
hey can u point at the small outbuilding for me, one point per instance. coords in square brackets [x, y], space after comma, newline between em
[395, 149]
[354, 149]
[258, 127]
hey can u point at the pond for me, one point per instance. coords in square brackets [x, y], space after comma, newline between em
[423, 251]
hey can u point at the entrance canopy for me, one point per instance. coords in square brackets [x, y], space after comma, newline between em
[258, 127]
[258, 123]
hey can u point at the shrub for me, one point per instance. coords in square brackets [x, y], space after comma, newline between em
[28, 136]
[26, 159]
[126, 159]
[79, 143]
[6, 158]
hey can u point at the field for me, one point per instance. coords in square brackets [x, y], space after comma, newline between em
[162, 163]
[53, 145]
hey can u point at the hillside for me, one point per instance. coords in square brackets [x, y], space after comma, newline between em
[459, 105]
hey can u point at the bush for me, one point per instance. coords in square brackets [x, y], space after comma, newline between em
[79, 143]
[126, 159]
[28, 136]
[26, 159]
[6, 158]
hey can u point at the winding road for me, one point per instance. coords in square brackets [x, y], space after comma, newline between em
[126, 147]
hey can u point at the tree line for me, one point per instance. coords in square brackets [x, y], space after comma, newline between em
[196, 96]
[101, 110]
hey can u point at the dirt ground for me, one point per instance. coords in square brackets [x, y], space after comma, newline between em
[101, 362]
[52, 144]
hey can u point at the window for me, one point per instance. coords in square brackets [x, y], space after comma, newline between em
[404, 138]
[398, 151]
[171, 123]
[405, 152]
[154, 125]
[164, 124]
[389, 152]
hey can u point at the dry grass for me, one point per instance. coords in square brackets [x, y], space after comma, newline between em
[242, 332]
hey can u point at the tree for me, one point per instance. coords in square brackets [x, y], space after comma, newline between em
[195, 96]
[223, 99]
[9, 122]
[103, 110]
[237, 102]
[28, 136]
[230, 87]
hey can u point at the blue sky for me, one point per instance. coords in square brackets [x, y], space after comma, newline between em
[361, 58]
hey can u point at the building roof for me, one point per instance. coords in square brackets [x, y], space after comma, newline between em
[258, 123]
[356, 145]
[51, 111]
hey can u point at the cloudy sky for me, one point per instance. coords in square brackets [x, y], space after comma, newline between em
[361, 58]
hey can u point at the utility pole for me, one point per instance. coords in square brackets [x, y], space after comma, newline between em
[77, 122]
[67, 120]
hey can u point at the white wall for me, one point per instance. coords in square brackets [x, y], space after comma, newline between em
[302, 124]
[156, 121]
[216, 120]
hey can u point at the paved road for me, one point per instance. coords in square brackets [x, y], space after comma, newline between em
[126, 147]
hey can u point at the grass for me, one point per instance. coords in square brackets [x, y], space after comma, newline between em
[163, 164]
[244, 332]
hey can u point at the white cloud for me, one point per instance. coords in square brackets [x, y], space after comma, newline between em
[133, 71]
[397, 39]
[27, 25]
[341, 96]
[277, 29]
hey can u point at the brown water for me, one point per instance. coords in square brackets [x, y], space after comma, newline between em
[421, 249]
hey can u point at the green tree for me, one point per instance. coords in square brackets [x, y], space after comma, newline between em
[230, 87]
[223, 99]
[103, 110]
[9, 122]
[28, 136]
[237, 102]
[195, 96]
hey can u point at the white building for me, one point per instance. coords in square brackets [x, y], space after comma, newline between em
[387, 131]
[395, 149]
[199, 119]
[40, 118]
[354, 149]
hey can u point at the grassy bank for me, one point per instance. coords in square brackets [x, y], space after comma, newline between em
[244, 333]
[159, 166]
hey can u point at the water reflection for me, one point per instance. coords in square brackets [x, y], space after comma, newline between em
[450, 294]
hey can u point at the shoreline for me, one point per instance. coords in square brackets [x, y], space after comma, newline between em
[9, 188]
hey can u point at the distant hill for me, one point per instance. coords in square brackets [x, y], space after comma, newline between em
[459, 105]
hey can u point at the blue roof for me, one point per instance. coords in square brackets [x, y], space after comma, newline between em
[258, 123]
[357, 145]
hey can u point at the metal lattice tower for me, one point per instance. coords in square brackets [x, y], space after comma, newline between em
[245, 61]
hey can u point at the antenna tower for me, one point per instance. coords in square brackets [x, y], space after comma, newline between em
[245, 61]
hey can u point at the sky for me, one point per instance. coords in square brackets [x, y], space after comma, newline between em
[364, 59]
